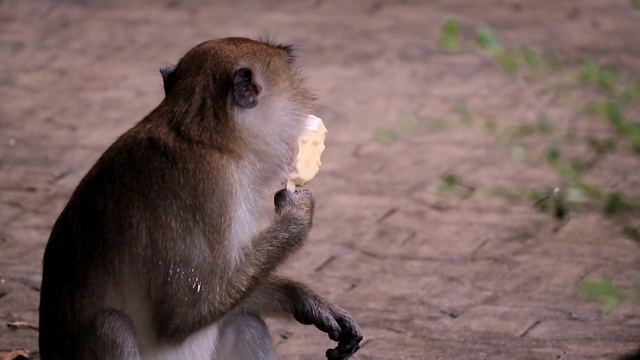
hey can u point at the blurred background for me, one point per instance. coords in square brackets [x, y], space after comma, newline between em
[480, 189]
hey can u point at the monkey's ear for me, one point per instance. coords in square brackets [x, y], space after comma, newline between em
[168, 78]
[245, 89]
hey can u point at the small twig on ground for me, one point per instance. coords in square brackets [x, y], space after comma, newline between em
[21, 325]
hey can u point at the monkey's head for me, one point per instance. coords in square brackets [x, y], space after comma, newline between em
[244, 90]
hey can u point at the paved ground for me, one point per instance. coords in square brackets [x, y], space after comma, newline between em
[427, 275]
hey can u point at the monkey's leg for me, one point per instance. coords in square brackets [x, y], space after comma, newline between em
[110, 335]
[245, 336]
[280, 296]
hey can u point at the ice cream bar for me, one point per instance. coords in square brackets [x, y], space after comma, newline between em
[310, 148]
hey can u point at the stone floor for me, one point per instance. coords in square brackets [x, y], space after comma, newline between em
[428, 276]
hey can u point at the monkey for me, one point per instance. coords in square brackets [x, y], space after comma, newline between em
[169, 245]
[168, 78]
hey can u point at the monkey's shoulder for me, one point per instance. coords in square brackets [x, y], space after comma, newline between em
[142, 167]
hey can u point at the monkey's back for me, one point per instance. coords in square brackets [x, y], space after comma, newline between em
[119, 228]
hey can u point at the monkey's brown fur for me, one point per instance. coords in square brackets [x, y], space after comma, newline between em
[171, 238]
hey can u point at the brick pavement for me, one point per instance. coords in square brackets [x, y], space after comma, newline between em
[427, 276]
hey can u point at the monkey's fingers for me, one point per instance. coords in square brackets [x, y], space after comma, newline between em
[283, 199]
[304, 203]
[303, 193]
[344, 350]
[323, 322]
[349, 339]
[336, 354]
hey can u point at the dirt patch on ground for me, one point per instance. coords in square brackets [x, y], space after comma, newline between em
[426, 228]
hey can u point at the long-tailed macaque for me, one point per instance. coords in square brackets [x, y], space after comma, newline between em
[168, 246]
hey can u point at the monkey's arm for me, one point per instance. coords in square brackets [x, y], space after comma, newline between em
[228, 283]
[284, 297]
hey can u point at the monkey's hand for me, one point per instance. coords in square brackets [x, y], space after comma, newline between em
[340, 326]
[298, 203]
[280, 296]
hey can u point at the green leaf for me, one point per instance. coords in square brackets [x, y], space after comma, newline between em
[632, 92]
[553, 58]
[617, 202]
[450, 180]
[451, 184]
[614, 114]
[464, 113]
[535, 195]
[635, 4]
[491, 124]
[541, 198]
[488, 39]
[449, 36]
[603, 290]
[635, 141]
[632, 233]
[575, 194]
[570, 170]
[531, 58]
[500, 191]
[589, 73]
[523, 130]
[518, 152]
[507, 61]
[438, 124]
[609, 302]
[544, 122]
[553, 154]
[597, 287]
[592, 74]
[408, 121]
[601, 147]
[607, 79]
[570, 136]
[386, 134]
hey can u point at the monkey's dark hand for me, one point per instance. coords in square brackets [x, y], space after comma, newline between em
[340, 326]
[300, 202]
[348, 338]
[282, 200]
